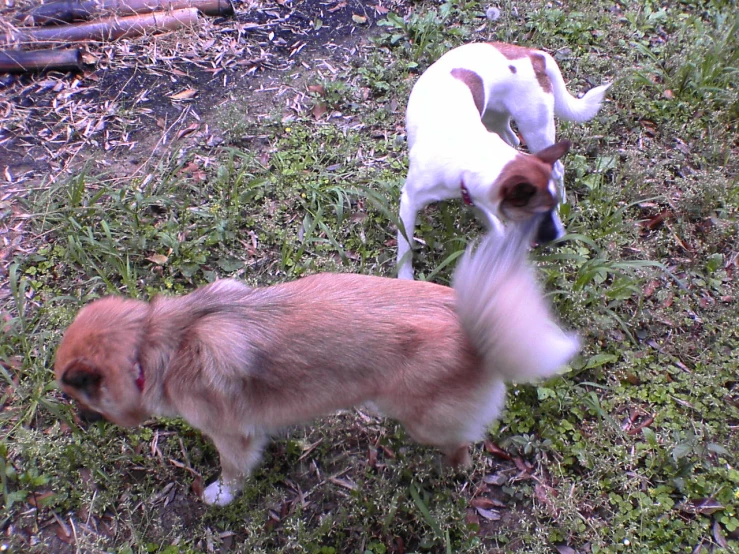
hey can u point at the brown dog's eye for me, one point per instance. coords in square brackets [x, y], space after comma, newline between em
[83, 379]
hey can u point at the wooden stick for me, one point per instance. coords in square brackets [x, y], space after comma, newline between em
[64, 11]
[105, 29]
[17, 61]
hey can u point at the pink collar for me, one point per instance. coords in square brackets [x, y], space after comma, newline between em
[466, 194]
[140, 378]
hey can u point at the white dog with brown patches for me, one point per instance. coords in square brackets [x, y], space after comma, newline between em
[461, 142]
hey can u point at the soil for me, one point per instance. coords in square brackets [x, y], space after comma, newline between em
[252, 57]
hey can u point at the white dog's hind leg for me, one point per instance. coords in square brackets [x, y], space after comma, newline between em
[540, 133]
[500, 123]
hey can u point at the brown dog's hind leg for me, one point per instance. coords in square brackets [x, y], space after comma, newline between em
[459, 457]
[452, 441]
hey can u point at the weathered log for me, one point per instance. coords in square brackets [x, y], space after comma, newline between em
[17, 61]
[104, 29]
[65, 11]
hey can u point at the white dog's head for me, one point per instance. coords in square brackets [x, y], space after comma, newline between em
[527, 186]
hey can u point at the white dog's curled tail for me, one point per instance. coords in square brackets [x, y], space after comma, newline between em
[567, 106]
[504, 312]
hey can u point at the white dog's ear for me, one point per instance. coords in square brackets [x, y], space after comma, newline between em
[554, 152]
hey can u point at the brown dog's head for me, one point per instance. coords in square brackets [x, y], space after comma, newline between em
[526, 188]
[97, 361]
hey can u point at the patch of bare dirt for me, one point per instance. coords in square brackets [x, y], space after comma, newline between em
[142, 93]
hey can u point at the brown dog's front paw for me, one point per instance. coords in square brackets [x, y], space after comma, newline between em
[219, 493]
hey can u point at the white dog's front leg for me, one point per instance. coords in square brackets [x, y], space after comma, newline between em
[494, 224]
[408, 212]
[558, 173]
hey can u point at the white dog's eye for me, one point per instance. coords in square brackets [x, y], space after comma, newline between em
[520, 194]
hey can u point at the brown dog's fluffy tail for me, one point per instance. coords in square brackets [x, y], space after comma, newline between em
[503, 309]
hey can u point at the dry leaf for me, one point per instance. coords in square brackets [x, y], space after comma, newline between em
[471, 518]
[190, 129]
[64, 534]
[490, 515]
[319, 108]
[337, 7]
[482, 502]
[650, 288]
[497, 479]
[186, 94]
[359, 19]
[718, 536]
[38, 499]
[705, 506]
[657, 220]
[346, 483]
[496, 450]
[318, 89]
[372, 457]
[158, 259]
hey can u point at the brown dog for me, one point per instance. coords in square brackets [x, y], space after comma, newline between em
[239, 363]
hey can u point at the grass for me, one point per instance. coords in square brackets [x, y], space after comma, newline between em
[633, 450]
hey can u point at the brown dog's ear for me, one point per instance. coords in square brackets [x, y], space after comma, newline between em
[554, 152]
[83, 377]
[519, 195]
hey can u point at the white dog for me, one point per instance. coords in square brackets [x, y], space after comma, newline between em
[461, 142]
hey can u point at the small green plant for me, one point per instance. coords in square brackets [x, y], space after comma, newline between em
[424, 36]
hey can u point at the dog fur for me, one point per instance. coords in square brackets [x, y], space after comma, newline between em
[461, 143]
[240, 363]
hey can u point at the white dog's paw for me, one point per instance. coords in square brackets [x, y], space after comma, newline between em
[406, 272]
[219, 494]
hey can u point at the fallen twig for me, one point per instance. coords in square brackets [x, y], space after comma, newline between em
[17, 61]
[66, 11]
[104, 29]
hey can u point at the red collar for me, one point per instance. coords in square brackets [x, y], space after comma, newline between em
[140, 378]
[465, 194]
